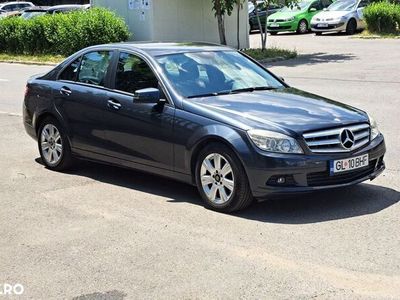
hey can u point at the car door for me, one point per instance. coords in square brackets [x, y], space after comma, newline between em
[81, 99]
[138, 132]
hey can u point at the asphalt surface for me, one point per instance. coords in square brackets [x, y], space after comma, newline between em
[100, 232]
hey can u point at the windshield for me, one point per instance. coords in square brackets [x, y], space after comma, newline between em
[32, 14]
[342, 6]
[297, 6]
[211, 73]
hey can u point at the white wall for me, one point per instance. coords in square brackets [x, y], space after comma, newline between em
[179, 20]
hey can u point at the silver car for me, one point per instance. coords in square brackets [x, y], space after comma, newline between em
[342, 15]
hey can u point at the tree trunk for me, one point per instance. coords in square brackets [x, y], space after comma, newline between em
[221, 23]
[238, 23]
[264, 47]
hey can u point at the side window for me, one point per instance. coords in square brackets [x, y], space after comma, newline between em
[10, 7]
[317, 5]
[133, 74]
[70, 73]
[326, 3]
[94, 66]
[363, 3]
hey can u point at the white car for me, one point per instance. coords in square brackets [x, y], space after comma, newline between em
[342, 15]
[15, 6]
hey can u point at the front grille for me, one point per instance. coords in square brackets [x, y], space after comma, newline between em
[329, 140]
[324, 178]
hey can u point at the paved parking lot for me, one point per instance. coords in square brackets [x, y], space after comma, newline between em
[99, 232]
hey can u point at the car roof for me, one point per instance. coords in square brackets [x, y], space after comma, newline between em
[165, 48]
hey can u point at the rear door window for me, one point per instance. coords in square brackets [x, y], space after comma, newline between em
[94, 67]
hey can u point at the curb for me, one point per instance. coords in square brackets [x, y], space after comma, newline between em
[27, 63]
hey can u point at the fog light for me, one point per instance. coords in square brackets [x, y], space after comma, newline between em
[281, 180]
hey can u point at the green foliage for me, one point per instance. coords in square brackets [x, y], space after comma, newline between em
[382, 17]
[270, 53]
[61, 34]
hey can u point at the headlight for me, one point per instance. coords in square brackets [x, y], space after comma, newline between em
[339, 19]
[374, 127]
[274, 141]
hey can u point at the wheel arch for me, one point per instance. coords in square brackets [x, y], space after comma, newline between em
[235, 143]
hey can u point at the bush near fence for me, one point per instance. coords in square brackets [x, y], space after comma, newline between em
[383, 17]
[61, 34]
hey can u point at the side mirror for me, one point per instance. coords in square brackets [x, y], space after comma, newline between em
[312, 9]
[149, 95]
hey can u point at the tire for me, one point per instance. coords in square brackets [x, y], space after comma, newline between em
[351, 27]
[318, 33]
[54, 147]
[302, 28]
[273, 33]
[224, 188]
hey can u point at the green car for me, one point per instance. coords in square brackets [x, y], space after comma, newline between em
[297, 18]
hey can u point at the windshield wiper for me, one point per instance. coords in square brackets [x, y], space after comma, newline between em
[236, 91]
[252, 89]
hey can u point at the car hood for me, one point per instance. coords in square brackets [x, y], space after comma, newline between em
[287, 110]
[331, 14]
[285, 14]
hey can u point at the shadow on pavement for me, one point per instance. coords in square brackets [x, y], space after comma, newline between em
[359, 200]
[314, 59]
[307, 208]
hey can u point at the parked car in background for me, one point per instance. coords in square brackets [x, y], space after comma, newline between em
[343, 15]
[15, 6]
[40, 11]
[202, 114]
[296, 18]
[263, 13]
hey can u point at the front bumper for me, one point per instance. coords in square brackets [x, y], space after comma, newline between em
[331, 27]
[282, 26]
[306, 173]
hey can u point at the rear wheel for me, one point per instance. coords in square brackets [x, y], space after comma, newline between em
[54, 147]
[351, 27]
[318, 33]
[273, 33]
[221, 179]
[302, 27]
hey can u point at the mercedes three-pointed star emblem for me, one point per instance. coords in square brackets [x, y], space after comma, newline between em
[347, 139]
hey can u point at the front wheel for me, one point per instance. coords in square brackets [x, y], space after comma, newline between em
[53, 145]
[273, 33]
[302, 27]
[351, 27]
[221, 179]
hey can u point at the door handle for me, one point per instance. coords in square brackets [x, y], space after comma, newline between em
[65, 91]
[114, 104]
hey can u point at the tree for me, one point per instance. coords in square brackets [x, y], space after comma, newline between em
[267, 3]
[239, 7]
[221, 9]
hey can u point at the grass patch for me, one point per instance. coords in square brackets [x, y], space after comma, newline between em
[372, 36]
[271, 54]
[39, 59]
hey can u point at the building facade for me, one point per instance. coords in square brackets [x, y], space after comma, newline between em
[177, 20]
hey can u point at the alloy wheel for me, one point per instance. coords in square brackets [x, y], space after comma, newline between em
[217, 178]
[51, 144]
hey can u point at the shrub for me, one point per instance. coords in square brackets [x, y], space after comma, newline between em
[382, 17]
[61, 33]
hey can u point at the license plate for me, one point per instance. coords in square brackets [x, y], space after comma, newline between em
[274, 25]
[322, 25]
[349, 164]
